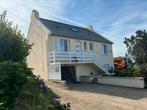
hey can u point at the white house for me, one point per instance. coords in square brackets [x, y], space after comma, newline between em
[66, 52]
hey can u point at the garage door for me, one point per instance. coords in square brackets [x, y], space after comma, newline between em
[68, 73]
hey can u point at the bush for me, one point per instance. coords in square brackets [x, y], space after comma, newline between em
[131, 72]
[37, 96]
[13, 76]
[118, 71]
[143, 70]
[128, 72]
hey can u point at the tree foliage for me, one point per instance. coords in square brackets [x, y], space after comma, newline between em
[13, 45]
[13, 76]
[137, 46]
[137, 49]
[19, 88]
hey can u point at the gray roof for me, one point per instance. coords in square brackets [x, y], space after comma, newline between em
[70, 31]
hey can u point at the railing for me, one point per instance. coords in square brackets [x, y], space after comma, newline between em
[73, 57]
[70, 57]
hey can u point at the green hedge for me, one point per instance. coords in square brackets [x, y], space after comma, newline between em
[13, 76]
[134, 71]
[21, 90]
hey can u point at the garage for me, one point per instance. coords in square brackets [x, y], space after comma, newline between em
[68, 73]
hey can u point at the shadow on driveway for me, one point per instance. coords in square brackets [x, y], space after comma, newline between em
[131, 93]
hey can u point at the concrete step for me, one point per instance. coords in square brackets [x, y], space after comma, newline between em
[56, 83]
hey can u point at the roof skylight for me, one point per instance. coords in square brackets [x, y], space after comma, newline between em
[73, 29]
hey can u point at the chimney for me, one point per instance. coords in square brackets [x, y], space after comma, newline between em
[90, 28]
[35, 14]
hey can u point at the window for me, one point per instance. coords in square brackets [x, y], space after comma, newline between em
[64, 45]
[91, 46]
[85, 46]
[56, 69]
[104, 49]
[78, 46]
[88, 46]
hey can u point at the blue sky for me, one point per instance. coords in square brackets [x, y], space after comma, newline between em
[114, 19]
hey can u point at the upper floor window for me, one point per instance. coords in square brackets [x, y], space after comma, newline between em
[104, 49]
[85, 46]
[91, 46]
[88, 46]
[62, 45]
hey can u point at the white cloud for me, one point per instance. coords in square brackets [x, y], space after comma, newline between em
[115, 24]
[125, 27]
[19, 11]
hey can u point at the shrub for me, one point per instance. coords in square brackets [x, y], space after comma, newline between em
[37, 96]
[128, 72]
[143, 70]
[13, 76]
[131, 72]
[118, 71]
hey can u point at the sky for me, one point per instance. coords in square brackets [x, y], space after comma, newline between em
[113, 19]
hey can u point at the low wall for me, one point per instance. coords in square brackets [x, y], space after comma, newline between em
[137, 82]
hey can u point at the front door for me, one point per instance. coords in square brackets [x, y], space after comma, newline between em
[78, 46]
[78, 50]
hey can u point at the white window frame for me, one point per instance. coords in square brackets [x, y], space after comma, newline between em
[85, 46]
[59, 47]
[91, 50]
[103, 47]
[87, 49]
[78, 41]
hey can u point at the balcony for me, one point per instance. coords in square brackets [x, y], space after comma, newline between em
[70, 57]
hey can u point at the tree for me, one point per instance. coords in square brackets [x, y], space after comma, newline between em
[13, 45]
[13, 76]
[14, 73]
[19, 88]
[137, 46]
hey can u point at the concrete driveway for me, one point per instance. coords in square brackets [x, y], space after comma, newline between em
[101, 97]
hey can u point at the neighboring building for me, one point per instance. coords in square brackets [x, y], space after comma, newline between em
[66, 52]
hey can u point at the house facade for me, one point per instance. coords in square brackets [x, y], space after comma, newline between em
[66, 52]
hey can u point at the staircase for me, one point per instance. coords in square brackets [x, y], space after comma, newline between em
[97, 63]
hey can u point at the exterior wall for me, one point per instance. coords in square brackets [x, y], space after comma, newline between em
[45, 43]
[137, 82]
[103, 59]
[38, 58]
[84, 70]
[51, 43]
